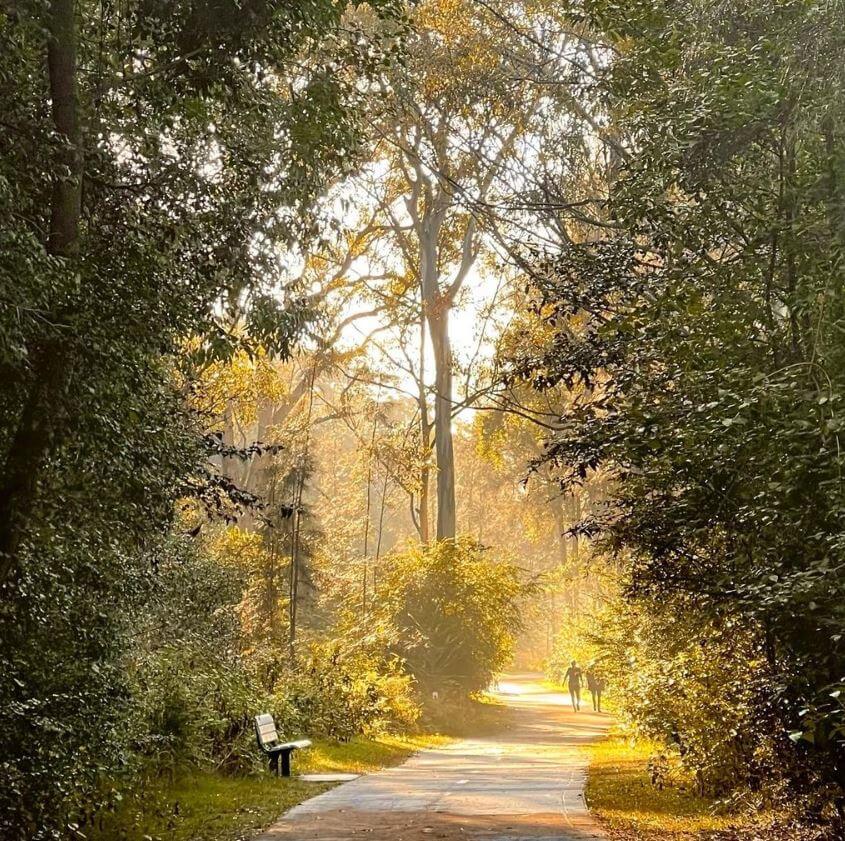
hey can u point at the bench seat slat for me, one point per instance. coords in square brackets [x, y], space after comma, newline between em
[300, 743]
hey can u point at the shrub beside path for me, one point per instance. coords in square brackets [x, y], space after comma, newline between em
[524, 783]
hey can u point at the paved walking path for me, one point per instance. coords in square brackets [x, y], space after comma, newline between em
[526, 783]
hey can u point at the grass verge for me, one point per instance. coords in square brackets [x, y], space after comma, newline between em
[621, 795]
[205, 806]
[362, 755]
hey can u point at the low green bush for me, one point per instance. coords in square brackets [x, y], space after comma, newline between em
[338, 693]
[454, 613]
[197, 707]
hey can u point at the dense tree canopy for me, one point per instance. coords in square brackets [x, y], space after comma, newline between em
[271, 272]
[152, 171]
[702, 317]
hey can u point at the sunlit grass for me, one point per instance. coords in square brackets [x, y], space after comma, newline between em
[205, 806]
[361, 755]
[620, 793]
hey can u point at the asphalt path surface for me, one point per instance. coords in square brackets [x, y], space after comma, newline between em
[526, 782]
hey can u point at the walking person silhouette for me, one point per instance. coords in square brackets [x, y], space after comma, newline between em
[595, 683]
[574, 678]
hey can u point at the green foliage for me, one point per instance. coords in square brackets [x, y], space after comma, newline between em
[193, 694]
[697, 689]
[704, 320]
[65, 700]
[205, 141]
[197, 677]
[340, 691]
[196, 706]
[453, 612]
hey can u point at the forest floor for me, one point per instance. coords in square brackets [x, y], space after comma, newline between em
[525, 781]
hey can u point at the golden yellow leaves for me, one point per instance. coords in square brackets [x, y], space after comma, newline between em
[451, 20]
[238, 547]
[460, 51]
[236, 388]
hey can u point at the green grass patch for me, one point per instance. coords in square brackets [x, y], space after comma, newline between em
[200, 806]
[206, 806]
[362, 755]
[621, 794]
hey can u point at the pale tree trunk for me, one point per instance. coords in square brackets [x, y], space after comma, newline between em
[38, 426]
[425, 444]
[436, 306]
[446, 514]
[256, 472]
[425, 504]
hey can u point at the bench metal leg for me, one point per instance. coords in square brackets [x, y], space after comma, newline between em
[274, 764]
[286, 763]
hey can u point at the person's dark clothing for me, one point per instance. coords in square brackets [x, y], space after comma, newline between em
[596, 685]
[574, 677]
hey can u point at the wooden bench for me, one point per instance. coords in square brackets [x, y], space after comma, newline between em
[268, 741]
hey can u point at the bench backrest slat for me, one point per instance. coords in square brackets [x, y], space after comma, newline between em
[265, 729]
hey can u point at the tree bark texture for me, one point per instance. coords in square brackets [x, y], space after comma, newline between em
[446, 513]
[436, 307]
